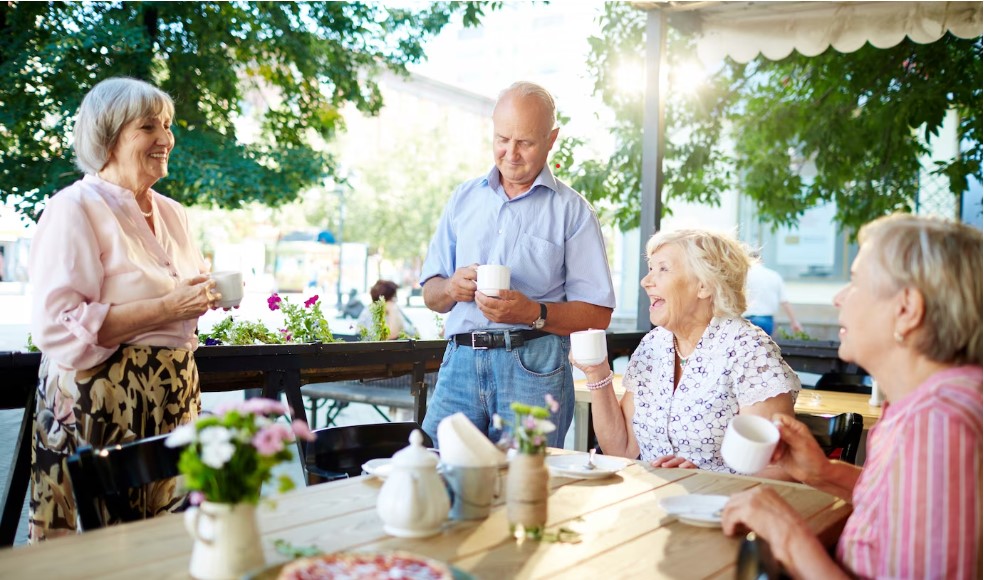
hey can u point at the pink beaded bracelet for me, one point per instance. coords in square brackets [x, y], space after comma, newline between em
[602, 383]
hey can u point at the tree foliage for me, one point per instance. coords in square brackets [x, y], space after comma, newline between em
[290, 66]
[863, 118]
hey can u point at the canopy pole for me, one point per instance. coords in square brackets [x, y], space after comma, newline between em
[653, 145]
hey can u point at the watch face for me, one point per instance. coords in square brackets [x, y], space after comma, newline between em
[538, 323]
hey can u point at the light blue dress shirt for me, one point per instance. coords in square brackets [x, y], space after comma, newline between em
[549, 237]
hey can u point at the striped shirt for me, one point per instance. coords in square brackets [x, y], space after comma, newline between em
[917, 503]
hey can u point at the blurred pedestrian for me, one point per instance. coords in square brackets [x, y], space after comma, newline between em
[766, 293]
[396, 321]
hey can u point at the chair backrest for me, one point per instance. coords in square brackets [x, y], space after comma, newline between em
[339, 452]
[834, 432]
[843, 383]
[104, 477]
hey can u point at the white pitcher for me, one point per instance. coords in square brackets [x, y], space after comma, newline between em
[414, 502]
[227, 541]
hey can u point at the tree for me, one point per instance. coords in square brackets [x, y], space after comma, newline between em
[305, 60]
[863, 118]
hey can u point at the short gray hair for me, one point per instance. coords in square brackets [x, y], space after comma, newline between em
[530, 89]
[106, 109]
[717, 260]
[942, 261]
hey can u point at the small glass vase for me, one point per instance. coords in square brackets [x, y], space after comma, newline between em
[227, 540]
[527, 490]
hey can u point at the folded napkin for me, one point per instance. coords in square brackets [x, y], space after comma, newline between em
[464, 445]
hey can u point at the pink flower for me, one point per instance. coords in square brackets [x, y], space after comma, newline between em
[552, 403]
[311, 301]
[286, 333]
[196, 497]
[274, 301]
[301, 429]
[261, 406]
[270, 439]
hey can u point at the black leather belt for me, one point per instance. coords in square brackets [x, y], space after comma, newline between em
[484, 339]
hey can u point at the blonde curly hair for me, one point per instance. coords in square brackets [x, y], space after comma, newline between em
[717, 260]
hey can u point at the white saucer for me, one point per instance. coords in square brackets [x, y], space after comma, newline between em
[696, 509]
[573, 465]
[381, 467]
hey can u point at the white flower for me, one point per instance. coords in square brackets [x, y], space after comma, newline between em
[217, 446]
[544, 426]
[497, 421]
[183, 435]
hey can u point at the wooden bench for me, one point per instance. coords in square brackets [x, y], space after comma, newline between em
[392, 392]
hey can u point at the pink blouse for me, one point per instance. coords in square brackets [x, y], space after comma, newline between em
[93, 248]
[917, 503]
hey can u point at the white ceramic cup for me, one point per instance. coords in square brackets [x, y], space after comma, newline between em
[748, 443]
[230, 284]
[589, 347]
[492, 278]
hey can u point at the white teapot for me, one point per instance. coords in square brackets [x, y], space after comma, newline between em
[413, 502]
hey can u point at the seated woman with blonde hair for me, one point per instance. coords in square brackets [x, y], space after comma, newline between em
[911, 316]
[701, 366]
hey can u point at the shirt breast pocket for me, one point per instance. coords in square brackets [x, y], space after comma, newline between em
[538, 266]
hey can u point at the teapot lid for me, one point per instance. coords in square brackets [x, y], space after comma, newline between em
[415, 455]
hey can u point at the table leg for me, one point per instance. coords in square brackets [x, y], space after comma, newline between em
[19, 477]
[418, 388]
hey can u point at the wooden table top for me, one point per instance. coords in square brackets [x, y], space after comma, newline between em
[623, 532]
[808, 401]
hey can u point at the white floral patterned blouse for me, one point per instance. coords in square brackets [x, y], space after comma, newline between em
[735, 364]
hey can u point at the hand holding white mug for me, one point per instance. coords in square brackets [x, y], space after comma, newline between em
[492, 278]
[749, 442]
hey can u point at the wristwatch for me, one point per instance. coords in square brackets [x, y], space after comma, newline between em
[539, 322]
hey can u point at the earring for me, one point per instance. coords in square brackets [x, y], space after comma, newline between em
[898, 337]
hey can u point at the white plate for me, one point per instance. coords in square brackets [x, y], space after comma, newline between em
[696, 509]
[379, 467]
[573, 465]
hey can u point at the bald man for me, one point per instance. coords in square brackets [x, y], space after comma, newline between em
[513, 347]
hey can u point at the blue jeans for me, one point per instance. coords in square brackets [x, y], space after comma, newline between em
[480, 383]
[766, 323]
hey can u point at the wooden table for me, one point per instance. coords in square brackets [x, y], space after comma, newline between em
[624, 533]
[808, 401]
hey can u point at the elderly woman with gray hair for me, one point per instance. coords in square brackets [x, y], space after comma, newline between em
[119, 285]
[911, 316]
[702, 365]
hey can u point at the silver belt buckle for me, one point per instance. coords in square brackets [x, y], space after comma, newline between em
[473, 335]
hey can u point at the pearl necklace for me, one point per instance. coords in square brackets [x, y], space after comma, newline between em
[146, 214]
[676, 349]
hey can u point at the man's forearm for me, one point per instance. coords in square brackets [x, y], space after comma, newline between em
[436, 296]
[564, 318]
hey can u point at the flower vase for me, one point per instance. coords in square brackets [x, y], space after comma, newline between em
[527, 490]
[227, 540]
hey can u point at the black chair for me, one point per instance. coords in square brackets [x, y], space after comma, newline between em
[835, 432]
[843, 383]
[339, 452]
[104, 477]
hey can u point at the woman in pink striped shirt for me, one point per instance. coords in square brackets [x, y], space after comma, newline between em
[911, 316]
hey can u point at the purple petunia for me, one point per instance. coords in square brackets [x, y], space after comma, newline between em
[212, 341]
[311, 301]
[274, 301]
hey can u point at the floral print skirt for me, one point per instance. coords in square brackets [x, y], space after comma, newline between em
[140, 391]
